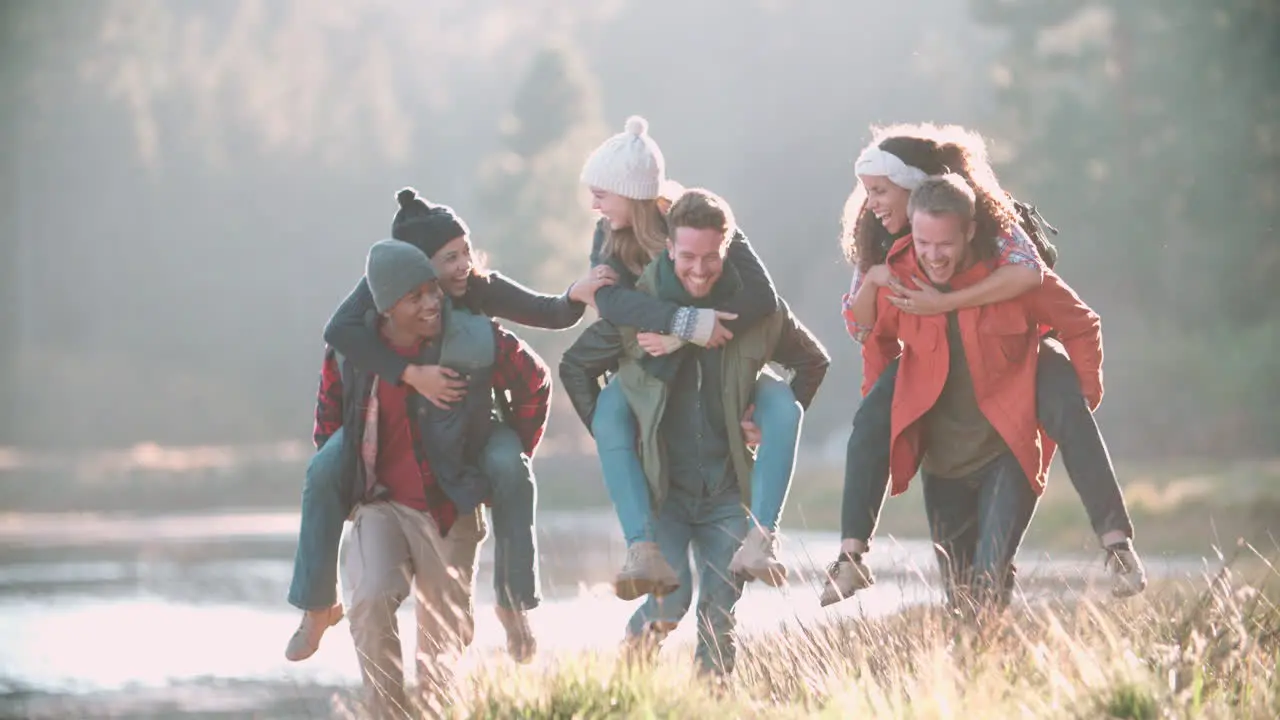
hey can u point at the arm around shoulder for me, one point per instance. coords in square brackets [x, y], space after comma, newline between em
[758, 297]
[629, 307]
[351, 333]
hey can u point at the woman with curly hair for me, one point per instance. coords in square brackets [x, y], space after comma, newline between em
[898, 160]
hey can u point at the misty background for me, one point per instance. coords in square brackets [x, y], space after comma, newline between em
[188, 189]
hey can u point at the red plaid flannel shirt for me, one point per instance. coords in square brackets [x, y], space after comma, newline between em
[518, 372]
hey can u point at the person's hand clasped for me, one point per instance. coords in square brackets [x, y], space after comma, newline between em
[657, 344]
[584, 288]
[926, 300]
[439, 385]
[720, 335]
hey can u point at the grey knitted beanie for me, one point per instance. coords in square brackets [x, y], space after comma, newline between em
[394, 269]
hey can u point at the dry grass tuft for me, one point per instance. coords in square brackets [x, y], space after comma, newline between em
[1204, 649]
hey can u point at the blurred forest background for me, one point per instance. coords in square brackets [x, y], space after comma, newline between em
[188, 189]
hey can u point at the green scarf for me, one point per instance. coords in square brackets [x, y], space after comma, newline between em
[668, 288]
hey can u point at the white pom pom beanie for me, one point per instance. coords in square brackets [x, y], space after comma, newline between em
[629, 164]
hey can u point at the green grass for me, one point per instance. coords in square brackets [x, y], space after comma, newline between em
[1209, 649]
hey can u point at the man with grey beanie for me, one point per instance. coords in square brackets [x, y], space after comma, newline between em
[416, 516]
[464, 383]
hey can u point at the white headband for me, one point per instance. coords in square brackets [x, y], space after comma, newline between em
[874, 161]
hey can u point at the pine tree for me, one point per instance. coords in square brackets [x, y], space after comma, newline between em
[1150, 133]
[536, 221]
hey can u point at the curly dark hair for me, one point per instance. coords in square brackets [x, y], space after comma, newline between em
[935, 149]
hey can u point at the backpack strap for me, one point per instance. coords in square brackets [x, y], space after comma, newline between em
[1030, 219]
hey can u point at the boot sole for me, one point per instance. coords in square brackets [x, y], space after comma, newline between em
[773, 577]
[639, 587]
[1129, 590]
[826, 602]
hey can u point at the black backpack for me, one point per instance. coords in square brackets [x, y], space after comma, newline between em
[1036, 226]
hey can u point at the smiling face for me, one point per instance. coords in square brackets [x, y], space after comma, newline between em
[453, 264]
[942, 244]
[416, 317]
[613, 207]
[698, 256]
[887, 201]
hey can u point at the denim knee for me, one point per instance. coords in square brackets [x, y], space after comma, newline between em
[324, 471]
[503, 459]
[1058, 393]
[872, 419]
[776, 403]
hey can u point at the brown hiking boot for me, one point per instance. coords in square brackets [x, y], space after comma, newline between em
[845, 577]
[646, 572]
[643, 649]
[1128, 576]
[306, 639]
[757, 559]
[521, 643]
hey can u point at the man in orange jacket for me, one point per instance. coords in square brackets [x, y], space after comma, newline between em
[965, 407]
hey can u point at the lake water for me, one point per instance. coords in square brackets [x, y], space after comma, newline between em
[185, 614]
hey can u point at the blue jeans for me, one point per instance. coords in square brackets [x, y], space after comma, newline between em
[1062, 411]
[977, 523]
[515, 500]
[315, 563]
[515, 568]
[614, 427]
[713, 528]
[1065, 416]
[778, 415]
[866, 465]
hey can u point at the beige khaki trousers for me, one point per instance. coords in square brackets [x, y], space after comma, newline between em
[389, 552]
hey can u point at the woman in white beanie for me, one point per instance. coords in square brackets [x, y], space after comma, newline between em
[627, 178]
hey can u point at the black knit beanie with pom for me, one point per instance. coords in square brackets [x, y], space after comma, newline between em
[424, 224]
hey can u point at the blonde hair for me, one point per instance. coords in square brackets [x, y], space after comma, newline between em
[945, 194]
[636, 245]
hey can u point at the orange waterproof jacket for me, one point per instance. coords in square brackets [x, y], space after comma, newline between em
[1001, 343]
